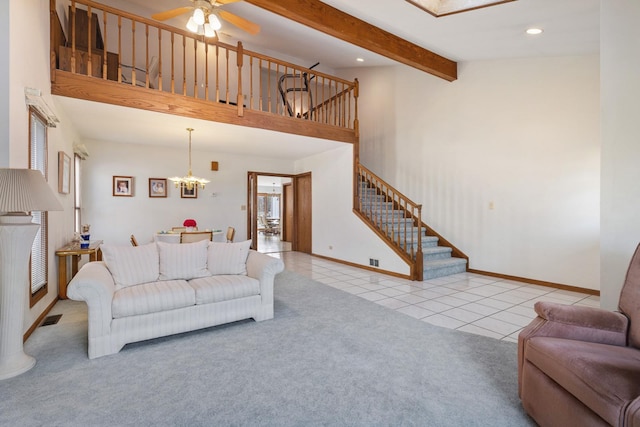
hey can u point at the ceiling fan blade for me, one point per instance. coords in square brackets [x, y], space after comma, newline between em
[167, 14]
[226, 1]
[244, 24]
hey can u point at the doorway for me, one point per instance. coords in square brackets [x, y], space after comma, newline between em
[279, 213]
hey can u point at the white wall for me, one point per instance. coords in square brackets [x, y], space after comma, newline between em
[620, 210]
[520, 135]
[114, 219]
[337, 232]
[28, 57]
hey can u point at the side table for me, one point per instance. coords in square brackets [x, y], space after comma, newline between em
[75, 252]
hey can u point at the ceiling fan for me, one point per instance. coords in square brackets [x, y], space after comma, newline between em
[206, 17]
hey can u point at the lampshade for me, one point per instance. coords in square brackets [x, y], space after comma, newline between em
[25, 190]
[214, 22]
[208, 31]
[192, 26]
[198, 16]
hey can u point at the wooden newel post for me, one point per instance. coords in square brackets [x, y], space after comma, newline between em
[240, 100]
[73, 37]
[52, 54]
[419, 258]
[356, 94]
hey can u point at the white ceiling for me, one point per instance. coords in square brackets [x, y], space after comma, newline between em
[571, 27]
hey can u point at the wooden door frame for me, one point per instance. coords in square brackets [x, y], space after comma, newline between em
[252, 204]
[287, 224]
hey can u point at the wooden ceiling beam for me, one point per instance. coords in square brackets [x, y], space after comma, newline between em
[331, 21]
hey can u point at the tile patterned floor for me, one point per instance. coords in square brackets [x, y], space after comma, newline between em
[468, 302]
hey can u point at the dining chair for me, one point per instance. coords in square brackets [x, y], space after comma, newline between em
[195, 236]
[231, 232]
[178, 228]
[134, 242]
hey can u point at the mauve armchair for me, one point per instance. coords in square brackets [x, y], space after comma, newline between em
[580, 366]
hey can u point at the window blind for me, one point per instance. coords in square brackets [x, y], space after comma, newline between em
[38, 160]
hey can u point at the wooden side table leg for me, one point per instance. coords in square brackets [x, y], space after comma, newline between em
[62, 277]
[74, 265]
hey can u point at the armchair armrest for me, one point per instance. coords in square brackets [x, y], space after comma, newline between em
[94, 285]
[574, 323]
[577, 323]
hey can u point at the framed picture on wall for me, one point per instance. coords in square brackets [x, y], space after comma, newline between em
[123, 186]
[64, 172]
[186, 193]
[157, 187]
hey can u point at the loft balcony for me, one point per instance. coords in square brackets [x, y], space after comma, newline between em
[102, 54]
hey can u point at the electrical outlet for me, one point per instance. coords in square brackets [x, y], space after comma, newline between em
[243, 207]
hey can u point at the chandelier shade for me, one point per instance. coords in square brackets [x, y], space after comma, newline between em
[189, 181]
[204, 22]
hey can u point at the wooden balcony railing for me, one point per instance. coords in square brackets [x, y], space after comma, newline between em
[394, 216]
[106, 43]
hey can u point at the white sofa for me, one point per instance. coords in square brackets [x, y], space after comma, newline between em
[144, 292]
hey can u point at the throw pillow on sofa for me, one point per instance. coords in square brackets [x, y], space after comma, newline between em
[183, 261]
[228, 258]
[131, 265]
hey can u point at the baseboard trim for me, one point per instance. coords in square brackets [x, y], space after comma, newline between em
[471, 270]
[537, 282]
[365, 267]
[39, 320]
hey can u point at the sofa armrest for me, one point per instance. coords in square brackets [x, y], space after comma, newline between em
[94, 285]
[264, 268]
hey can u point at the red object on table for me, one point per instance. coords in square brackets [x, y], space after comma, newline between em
[189, 223]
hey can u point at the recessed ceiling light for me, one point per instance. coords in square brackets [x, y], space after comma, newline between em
[360, 59]
[534, 31]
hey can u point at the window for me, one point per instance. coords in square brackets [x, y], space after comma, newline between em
[76, 193]
[39, 250]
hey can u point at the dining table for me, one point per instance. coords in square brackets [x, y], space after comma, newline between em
[174, 236]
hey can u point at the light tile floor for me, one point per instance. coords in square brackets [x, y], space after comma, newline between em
[468, 302]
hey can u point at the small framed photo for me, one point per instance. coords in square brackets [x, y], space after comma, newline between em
[64, 172]
[123, 186]
[157, 187]
[185, 193]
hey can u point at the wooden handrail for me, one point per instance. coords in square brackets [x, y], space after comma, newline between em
[240, 76]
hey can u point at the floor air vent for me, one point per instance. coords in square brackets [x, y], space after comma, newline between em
[51, 320]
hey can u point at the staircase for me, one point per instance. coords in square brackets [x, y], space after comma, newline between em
[398, 220]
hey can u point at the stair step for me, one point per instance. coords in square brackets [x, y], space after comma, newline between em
[372, 195]
[435, 253]
[368, 190]
[393, 221]
[443, 267]
[377, 206]
[427, 242]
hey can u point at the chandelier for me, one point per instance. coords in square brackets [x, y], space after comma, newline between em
[189, 181]
[204, 20]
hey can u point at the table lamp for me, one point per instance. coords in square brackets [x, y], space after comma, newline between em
[21, 191]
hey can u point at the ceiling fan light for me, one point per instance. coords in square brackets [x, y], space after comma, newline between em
[214, 22]
[198, 16]
[208, 31]
[192, 26]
